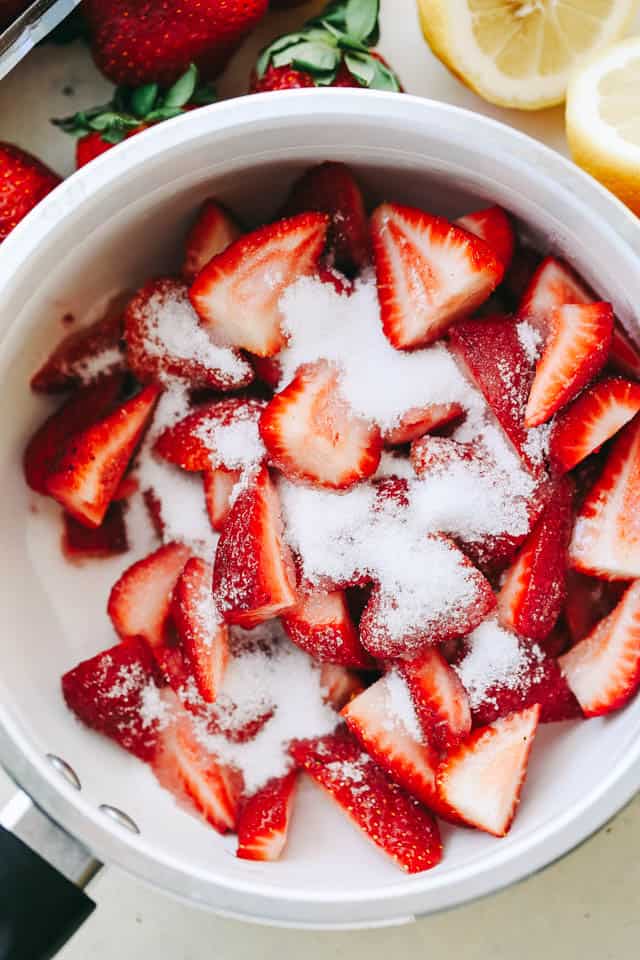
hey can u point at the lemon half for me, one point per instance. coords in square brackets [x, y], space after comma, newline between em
[603, 119]
[520, 53]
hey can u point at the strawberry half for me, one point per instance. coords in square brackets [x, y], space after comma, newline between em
[218, 487]
[191, 443]
[589, 600]
[380, 636]
[395, 821]
[331, 188]
[495, 360]
[481, 781]
[440, 701]
[48, 443]
[321, 625]
[311, 433]
[107, 692]
[339, 685]
[85, 355]
[592, 419]
[379, 724]
[215, 229]
[553, 285]
[205, 640]
[164, 338]
[624, 354]
[140, 601]
[575, 351]
[191, 773]
[493, 226]
[264, 820]
[534, 589]
[606, 536]
[238, 292]
[429, 272]
[253, 576]
[603, 670]
[420, 420]
[95, 460]
[108, 540]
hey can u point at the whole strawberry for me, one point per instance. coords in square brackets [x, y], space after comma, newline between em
[145, 41]
[24, 181]
[131, 111]
[331, 50]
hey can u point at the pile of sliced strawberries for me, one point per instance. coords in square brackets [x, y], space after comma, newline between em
[410, 743]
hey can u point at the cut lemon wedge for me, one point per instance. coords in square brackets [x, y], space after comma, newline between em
[520, 53]
[603, 120]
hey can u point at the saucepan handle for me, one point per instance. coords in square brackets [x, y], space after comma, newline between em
[42, 902]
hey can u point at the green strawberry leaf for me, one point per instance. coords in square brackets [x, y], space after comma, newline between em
[181, 92]
[288, 40]
[362, 19]
[204, 94]
[385, 78]
[142, 99]
[163, 113]
[315, 57]
[361, 68]
[113, 136]
[113, 121]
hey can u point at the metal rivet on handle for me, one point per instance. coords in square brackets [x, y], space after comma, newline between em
[119, 817]
[65, 770]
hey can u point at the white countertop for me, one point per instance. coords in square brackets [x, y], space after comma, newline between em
[588, 905]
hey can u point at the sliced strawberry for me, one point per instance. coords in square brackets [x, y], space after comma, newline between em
[429, 272]
[264, 820]
[331, 188]
[606, 537]
[389, 732]
[534, 590]
[107, 692]
[238, 292]
[204, 638]
[214, 230]
[191, 443]
[385, 640]
[553, 285]
[339, 685]
[84, 355]
[517, 278]
[95, 460]
[493, 356]
[164, 338]
[576, 349]
[420, 420]
[558, 641]
[440, 701]
[108, 540]
[254, 577]
[429, 454]
[127, 487]
[191, 773]
[493, 226]
[624, 354]
[589, 600]
[140, 602]
[338, 281]
[503, 673]
[321, 625]
[48, 443]
[311, 434]
[603, 670]
[395, 821]
[390, 490]
[592, 419]
[482, 779]
[154, 510]
[218, 487]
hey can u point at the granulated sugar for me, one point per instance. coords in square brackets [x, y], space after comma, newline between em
[530, 340]
[496, 658]
[90, 368]
[179, 493]
[173, 328]
[379, 382]
[282, 680]
[235, 445]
